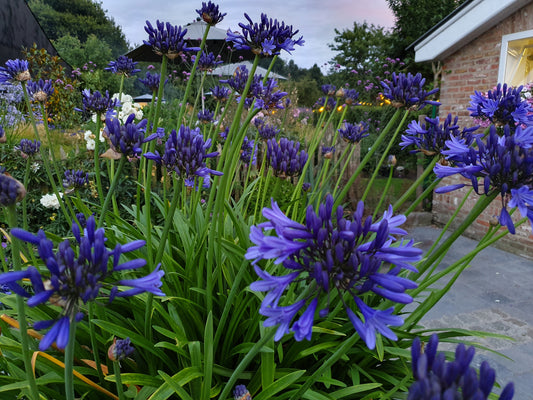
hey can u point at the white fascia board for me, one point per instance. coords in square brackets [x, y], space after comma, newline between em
[475, 18]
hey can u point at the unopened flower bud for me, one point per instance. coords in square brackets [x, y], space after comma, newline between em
[120, 349]
[11, 190]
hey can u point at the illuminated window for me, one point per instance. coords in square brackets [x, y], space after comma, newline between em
[516, 59]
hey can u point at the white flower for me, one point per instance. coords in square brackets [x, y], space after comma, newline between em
[90, 144]
[35, 167]
[50, 200]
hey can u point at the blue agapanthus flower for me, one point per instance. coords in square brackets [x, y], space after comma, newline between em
[436, 378]
[330, 252]
[128, 138]
[220, 93]
[75, 179]
[123, 66]
[503, 105]
[238, 80]
[40, 91]
[266, 131]
[207, 61]
[210, 13]
[151, 81]
[266, 38]
[75, 274]
[430, 138]
[167, 39]
[285, 157]
[186, 154]
[11, 190]
[28, 147]
[15, 71]
[353, 133]
[503, 164]
[266, 95]
[205, 116]
[329, 105]
[407, 91]
[120, 349]
[328, 89]
[248, 152]
[97, 102]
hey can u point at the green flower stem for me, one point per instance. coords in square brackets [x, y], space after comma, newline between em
[118, 380]
[25, 200]
[112, 187]
[385, 191]
[384, 156]
[21, 311]
[252, 353]
[346, 163]
[97, 160]
[197, 98]
[260, 176]
[424, 194]
[416, 183]
[69, 361]
[94, 344]
[340, 197]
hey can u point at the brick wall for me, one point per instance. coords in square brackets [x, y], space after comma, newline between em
[475, 67]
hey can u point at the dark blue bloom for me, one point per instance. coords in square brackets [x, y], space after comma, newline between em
[331, 253]
[329, 105]
[328, 89]
[285, 157]
[503, 163]
[351, 96]
[266, 95]
[210, 14]
[220, 93]
[75, 273]
[501, 106]
[75, 179]
[186, 154]
[205, 116]
[248, 152]
[152, 81]
[2, 134]
[266, 131]
[407, 91]
[207, 62]
[15, 71]
[128, 138]
[40, 91]
[167, 39]
[120, 349]
[238, 80]
[327, 151]
[436, 378]
[123, 66]
[353, 133]
[266, 38]
[11, 190]
[241, 393]
[430, 138]
[97, 102]
[28, 147]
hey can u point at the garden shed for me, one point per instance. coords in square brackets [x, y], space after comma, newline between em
[482, 43]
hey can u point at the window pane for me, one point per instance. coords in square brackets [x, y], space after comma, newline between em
[519, 63]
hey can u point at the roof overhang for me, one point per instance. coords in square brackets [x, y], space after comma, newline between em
[472, 20]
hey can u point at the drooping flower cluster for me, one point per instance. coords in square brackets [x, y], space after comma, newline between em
[11, 190]
[123, 66]
[503, 163]
[75, 273]
[75, 179]
[266, 131]
[210, 13]
[330, 252]
[285, 157]
[353, 133]
[266, 95]
[220, 93]
[97, 102]
[248, 152]
[430, 138]
[15, 71]
[436, 378]
[407, 91]
[503, 105]
[207, 61]
[127, 139]
[186, 153]
[167, 39]
[152, 81]
[28, 148]
[266, 38]
[40, 91]
[205, 116]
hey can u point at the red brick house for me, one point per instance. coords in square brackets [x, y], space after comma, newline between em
[482, 43]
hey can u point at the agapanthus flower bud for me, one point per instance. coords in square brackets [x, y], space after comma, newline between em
[207, 62]
[266, 131]
[15, 71]
[28, 147]
[285, 157]
[205, 116]
[353, 133]
[210, 14]
[152, 81]
[75, 179]
[407, 91]
[241, 393]
[248, 152]
[167, 39]
[40, 91]
[220, 93]
[127, 139]
[11, 190]
[120, 349]
[97, 102]
[328, 89]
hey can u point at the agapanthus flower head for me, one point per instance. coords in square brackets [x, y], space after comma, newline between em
[353, 133]
[436, 378]
[333, 253]
[285, 157]
[152, 81]
[207, 62]
[328, 105]
[123, 65]
[127, 139]
[241, 393]
[238, 80]
[75, 273]
[97, 102]
[28, 147]
[503, 163]
[210, 13]
[40, 91]
[328, 89]
[351, 96]
[205, 116]
[3, 137]
[75, 179]
[407, 91]
[248, 152]
[266, 131]
[266, 38]
[430, 138]
[11, 190]
[167, 39]
[220, 93]
[15, 71]
[186, 154]
[266, 95]
[503, 105]
[120, 349]
[327, 151]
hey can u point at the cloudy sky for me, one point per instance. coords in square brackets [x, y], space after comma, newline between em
[315, 20]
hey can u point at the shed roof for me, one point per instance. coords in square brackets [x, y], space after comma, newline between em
[471, 19]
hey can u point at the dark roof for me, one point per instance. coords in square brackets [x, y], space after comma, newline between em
[20, 29]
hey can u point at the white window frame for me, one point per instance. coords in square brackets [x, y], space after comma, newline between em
[505, 46]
